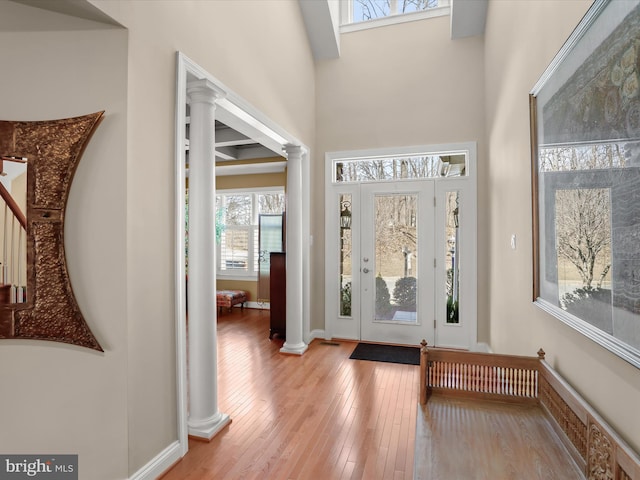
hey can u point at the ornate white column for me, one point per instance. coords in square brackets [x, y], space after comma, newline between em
[204, 418]
[294, 343]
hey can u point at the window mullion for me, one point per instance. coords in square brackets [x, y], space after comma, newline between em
[253, 233]
[346, 12]
[254, 209]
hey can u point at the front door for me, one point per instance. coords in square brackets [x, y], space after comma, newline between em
[400, 246]
[396, 249]
[385, 263]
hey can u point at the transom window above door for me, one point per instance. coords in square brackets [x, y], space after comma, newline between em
[399, 167]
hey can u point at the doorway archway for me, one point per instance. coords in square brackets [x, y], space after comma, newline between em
[197, 391]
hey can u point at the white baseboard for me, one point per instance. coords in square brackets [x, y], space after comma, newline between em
[256, 305]
[482, 347]
[316, 334]
[159, 464]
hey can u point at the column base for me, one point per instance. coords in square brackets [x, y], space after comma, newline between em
[297, 349]
[208, 428]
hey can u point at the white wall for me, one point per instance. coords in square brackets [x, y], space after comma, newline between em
[400, 85]
[516, 55]
[259, 50]
[58, 398]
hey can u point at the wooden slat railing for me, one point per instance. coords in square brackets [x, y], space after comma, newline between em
[13, 206]
[600, 452]
[12, 279]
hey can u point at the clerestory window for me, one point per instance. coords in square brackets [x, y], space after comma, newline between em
[359, 14]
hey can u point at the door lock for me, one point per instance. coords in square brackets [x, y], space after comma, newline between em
[365, 270]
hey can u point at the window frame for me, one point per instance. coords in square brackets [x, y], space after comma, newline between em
[454, 335]
[251, 274]
[347, 25]
[403, 154]
[569, 71]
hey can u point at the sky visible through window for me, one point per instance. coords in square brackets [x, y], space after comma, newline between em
[364, 10]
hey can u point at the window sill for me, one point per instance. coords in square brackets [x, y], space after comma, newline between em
[247, 277]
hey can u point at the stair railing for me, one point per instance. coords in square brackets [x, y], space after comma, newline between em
[13, 250]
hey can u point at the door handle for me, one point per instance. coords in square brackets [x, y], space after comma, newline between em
[365, 270]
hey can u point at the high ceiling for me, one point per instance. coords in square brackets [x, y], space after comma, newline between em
[236, 141]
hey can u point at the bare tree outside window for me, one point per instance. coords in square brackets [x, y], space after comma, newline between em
[583, 228]
[271, 203]
[583, 232]
[582, 157]
[398, 168]
[364, 10]
[237, 209]
[582, 215]
[395, 218]
[583, 242]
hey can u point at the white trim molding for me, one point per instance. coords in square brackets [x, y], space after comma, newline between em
[251, 168]
[160, 464]
[238, 114]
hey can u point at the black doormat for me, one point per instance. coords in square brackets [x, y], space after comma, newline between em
[386, 353]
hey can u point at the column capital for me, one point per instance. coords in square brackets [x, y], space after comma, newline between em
[293, 151]
[204, 91]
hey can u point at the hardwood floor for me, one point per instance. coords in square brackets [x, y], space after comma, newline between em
[316, 416]
[322, 416]
[471, 439]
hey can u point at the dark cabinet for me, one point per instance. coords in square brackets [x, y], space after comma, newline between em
[278, 294]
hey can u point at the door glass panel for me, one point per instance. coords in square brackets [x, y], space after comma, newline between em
[345, 255]
[451, 257]
[396, 246]
[270, 239]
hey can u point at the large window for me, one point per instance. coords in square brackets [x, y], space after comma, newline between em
[237, 228]
[371, 13]
[585, 119]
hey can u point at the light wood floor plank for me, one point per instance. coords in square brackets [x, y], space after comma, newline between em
[482, 440]
[322, 416]
[318, 416]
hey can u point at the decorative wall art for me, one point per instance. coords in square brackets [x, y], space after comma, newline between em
[585, 131]
[52, 150]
